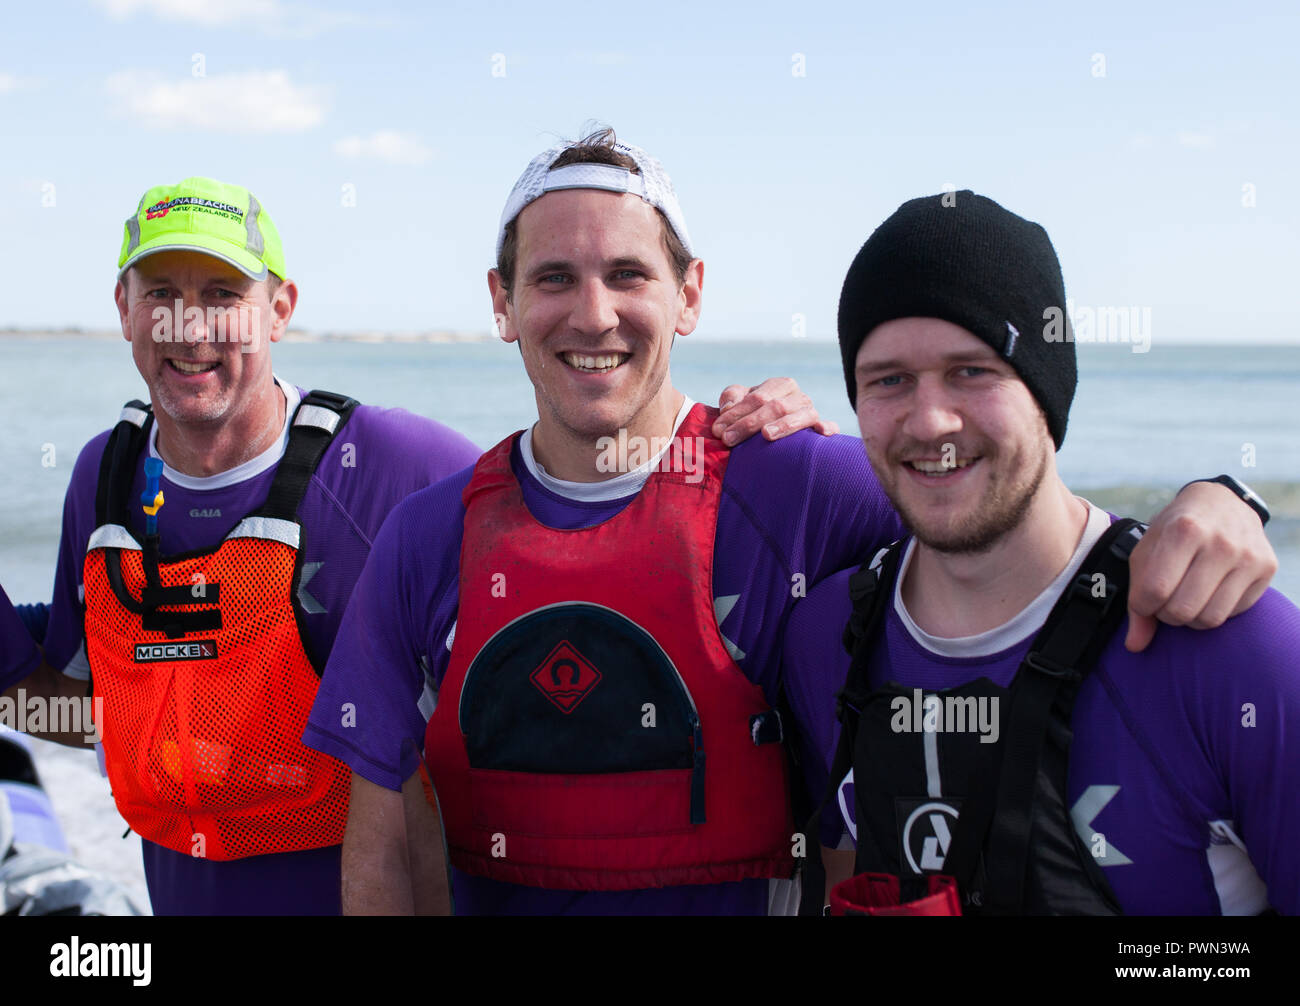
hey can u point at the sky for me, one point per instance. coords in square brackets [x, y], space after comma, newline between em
[1158, 147]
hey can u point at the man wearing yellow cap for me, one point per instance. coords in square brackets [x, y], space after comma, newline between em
[213, 538]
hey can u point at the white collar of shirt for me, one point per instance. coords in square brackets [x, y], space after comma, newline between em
[249, 469]
[1023, 625]
[617, 488]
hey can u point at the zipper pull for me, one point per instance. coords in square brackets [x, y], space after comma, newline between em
[697, 774]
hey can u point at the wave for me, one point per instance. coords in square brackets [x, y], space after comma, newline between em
[1283, 499]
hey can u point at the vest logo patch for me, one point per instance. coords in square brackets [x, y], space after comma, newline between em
[925, 832]
[565, 677]
[153, 653]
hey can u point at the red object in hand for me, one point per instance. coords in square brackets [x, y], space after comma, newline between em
[878, 894]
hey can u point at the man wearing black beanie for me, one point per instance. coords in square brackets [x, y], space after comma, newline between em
[963, 258]
[1001, 750]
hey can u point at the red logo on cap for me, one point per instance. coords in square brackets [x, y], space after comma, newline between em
[158, 209]
[565, 677]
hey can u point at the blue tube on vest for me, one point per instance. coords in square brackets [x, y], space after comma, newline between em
[152, 491]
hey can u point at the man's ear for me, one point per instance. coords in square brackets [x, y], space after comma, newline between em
[692, 298]
[282, 307]
[501, 306]
[123, 307]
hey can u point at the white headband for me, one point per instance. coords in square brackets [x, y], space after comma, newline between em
[652, 184]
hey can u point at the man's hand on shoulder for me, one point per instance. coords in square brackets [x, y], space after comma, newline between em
[1204, 559]
[777, 406]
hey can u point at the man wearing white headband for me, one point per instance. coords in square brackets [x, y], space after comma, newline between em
[583, 631]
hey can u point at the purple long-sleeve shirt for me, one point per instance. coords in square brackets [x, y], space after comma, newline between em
[18, 653]
[1184, 758]
[379, 457]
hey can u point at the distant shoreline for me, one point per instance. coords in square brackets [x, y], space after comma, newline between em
[440, 336]
[294, 335]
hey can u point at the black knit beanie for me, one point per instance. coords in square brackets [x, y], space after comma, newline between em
[964, 259]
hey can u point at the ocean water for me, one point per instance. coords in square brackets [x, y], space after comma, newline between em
[1142, 424]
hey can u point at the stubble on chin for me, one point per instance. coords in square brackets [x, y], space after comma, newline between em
[191, 409]
[999, 512]
[590, 426]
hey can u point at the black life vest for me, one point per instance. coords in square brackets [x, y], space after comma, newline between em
[999, 823]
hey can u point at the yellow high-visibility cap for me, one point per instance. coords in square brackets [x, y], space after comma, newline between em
[204, 215]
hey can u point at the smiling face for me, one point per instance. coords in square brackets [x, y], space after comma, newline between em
[958, 443]
[208, 362]
[595, 306]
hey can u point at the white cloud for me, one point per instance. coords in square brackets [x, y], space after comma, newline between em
[1198, 141]
[268, 17]
[10, 83]
[385, 145]
[264, 101]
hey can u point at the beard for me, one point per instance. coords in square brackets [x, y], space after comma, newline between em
[996, 514]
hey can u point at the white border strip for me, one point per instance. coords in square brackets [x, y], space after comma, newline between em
[111, 536]
[316, 415]
[285, 531]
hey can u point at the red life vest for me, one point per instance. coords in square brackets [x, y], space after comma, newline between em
[198, 658]
[592, 731]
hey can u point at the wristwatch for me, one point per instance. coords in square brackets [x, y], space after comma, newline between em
[1248, 495]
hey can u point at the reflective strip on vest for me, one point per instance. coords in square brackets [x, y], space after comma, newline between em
[272, 528]
[133, 415]
[316, 415]
[111, 536]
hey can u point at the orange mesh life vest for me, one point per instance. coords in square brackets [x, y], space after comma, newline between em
[198, 658]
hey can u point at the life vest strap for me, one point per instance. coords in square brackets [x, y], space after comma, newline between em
[996, 825]
[156, 597]
[316, 421]
[175, 624]
[117, 465]
[870, 589]
[1061, 655]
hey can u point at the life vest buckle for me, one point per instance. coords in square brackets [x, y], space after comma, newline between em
[766, 727]
[1051, 668]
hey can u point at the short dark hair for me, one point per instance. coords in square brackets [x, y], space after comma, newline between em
[596, 147]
